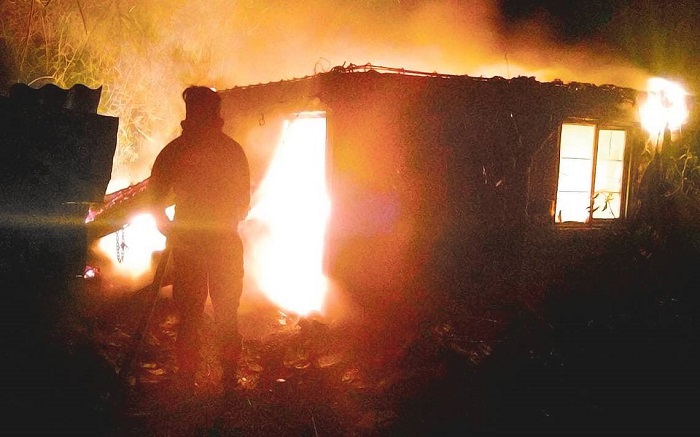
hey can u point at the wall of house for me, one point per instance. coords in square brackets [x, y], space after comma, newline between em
[427, 174]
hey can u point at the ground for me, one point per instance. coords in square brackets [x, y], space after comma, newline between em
[593, 334]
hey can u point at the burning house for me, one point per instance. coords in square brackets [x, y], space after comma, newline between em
[375, 179]
[422, 166]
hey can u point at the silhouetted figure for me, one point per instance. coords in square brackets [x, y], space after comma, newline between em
[205, 174]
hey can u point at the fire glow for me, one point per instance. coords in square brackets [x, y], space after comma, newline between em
[288, 221]
[284, 232]
[136, 242]
[665, 108]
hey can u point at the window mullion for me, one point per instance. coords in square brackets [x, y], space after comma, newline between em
[594, 166]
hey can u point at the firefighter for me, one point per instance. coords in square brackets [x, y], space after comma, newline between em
[205, 174]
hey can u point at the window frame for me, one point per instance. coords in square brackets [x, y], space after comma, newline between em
[600, 125]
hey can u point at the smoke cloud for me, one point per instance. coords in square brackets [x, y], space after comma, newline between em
[145, 52]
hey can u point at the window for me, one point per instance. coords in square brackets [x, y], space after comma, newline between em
[591, 168]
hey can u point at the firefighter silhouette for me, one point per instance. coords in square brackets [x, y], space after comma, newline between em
[205, 174]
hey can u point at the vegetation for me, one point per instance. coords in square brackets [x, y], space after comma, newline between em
[69, 42]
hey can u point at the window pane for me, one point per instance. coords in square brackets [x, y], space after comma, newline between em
[575, 175]
[572, 207]
[606, 205]
[608, 176]
[577, 141]
[575, 172]
[611, 145]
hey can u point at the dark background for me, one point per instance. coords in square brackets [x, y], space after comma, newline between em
[661, 36]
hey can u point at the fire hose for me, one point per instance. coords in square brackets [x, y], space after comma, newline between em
[126, 366]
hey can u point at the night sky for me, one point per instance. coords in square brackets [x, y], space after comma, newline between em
[572, 20]
[661, 36]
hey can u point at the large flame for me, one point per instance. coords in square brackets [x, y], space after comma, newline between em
[288, 220]
[284, 231]
[665, 108]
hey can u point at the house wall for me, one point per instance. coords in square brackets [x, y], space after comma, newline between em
[427, 174]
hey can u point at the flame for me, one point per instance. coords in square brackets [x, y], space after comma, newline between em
[289, 217]
[665, 108]
[136, 242]
[284, 231]
[140, 239]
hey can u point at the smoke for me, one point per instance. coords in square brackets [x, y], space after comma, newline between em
[145, 52]
[536, 51]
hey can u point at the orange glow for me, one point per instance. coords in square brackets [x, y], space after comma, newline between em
[665, 108]
[288, 220]
[146, 52]
[285, 229]
[141, 238]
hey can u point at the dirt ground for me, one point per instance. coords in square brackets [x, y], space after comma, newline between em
[591, 336]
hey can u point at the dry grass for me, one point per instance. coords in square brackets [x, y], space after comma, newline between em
[71, 42]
